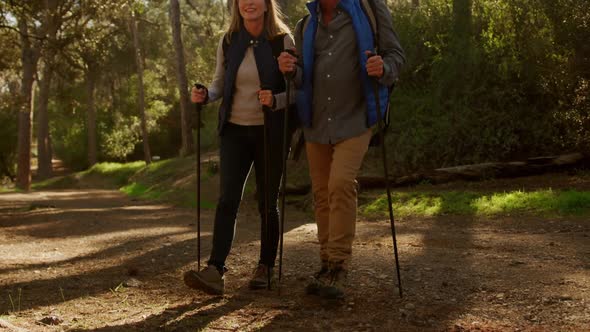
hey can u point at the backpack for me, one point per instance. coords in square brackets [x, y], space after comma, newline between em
[369, 9]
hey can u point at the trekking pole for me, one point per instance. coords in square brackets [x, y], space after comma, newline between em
[266, 111]
[381, 129]
[198, 107]
[288, 78]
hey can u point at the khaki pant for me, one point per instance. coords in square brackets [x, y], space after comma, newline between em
[333, 169]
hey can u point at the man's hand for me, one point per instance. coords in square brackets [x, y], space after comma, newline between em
[198, 95]
[287, 62]
[374, 65]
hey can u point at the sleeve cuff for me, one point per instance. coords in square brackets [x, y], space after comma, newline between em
[387, 78]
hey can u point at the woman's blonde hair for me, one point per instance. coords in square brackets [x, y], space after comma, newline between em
[273, 20]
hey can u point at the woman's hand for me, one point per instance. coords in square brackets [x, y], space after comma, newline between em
[266, 98]
[198, 95]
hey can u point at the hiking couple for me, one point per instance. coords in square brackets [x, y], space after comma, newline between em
[334, 75]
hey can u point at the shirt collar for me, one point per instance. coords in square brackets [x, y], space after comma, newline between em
[318, 10]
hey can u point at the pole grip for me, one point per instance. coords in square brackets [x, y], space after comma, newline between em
[290, 75]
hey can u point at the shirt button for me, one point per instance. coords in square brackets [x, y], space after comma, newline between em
[330, 53]
[328, 76]
[329, 119]
[331, 37]
[329, 98]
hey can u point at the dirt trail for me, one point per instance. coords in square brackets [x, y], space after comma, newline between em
[71, 253]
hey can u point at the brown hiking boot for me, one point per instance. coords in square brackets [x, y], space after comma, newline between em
[260, 278]
[318, 280]
[335, 289]
[209, 280]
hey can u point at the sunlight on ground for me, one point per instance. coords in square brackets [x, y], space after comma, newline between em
[57, 195]
[311, 227]
[471, 203]
[93, 248]
[145, 207]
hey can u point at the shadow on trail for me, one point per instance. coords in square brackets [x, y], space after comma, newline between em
[147, 266]
[198, 315]
[134, 245]
[452, 267]
[146, 255]
[71, 214]
[161, 321]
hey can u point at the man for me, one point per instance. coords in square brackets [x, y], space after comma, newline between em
[335, 78]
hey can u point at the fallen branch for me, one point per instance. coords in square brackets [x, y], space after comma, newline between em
[476, 172]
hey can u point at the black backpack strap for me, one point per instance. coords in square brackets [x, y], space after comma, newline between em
[370, 10]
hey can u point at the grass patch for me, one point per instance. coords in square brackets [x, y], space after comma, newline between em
[171, 181]
[116, 172]
[179, 197]
[541, 202]
[141, 191]
[103, 175]
[60, 182]
[569, 202]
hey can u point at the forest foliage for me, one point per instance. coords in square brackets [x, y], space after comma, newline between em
[485, 80]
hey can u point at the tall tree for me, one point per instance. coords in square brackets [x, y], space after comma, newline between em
[460, 47]
[30, 50]
[9, 91]
[92, 143]
[96, 33]
[187, 142]
[52, 24]
[462, 21]
[90, 50]
[141, 89]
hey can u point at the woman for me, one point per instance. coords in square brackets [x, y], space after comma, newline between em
[245, 63]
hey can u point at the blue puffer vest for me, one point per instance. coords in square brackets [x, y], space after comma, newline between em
[364, 38]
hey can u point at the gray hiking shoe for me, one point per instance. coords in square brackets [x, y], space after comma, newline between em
[209, 280]
[260, 278]
[335, 289]
[319, 280]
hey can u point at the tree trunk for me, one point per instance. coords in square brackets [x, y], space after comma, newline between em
[187, 142]
[91, 120]
[43, 149]
[29, 62]
[462, 20]
[141, 94]
[51, 23]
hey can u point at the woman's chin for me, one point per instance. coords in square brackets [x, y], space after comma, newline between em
[253, 17]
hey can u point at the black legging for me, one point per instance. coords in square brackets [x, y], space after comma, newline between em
[240, 147]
